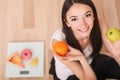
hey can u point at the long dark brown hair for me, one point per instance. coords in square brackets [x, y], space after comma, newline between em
[95, 35]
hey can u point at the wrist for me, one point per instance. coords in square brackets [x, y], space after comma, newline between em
[82, 58]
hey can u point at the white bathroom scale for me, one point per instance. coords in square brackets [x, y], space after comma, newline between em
[33, 67]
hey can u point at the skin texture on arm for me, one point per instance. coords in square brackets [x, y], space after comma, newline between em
[76, 68]
[89, 74]
[112, 47]
[75, 55]
[77, 63]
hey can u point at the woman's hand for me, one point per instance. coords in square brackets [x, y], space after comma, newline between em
[72, 55]
[82, 69]
[113, 47]
[71, 61]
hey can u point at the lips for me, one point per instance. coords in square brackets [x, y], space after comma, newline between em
[84, 30]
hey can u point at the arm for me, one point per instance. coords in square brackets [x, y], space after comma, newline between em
[112, 47]
[89, 74]
[75, 67]
[75, 55]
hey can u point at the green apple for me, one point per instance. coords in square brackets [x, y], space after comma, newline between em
[113, 34]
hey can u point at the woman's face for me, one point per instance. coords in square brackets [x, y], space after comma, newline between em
[81, 19]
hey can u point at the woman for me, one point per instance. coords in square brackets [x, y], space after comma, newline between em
[82, 33]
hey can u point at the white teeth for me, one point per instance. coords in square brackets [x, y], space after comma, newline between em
[84, 29]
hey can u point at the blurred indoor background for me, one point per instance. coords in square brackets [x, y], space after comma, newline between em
[36, 20]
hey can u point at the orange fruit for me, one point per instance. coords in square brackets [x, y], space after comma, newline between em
[60, 48]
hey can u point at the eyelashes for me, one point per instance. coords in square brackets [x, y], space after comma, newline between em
[87, 15]
[76, 18]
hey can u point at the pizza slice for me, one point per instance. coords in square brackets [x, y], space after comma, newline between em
[34, 61]
[15, 58]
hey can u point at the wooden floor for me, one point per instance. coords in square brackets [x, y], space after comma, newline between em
[36, 20]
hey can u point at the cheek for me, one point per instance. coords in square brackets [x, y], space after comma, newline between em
[74, 27]
[91, 23]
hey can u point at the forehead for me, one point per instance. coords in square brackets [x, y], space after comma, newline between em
[78, 8]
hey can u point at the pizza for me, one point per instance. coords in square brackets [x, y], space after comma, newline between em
[15, 59]
[34, 61]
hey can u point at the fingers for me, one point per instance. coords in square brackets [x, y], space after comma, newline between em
[70, 48]
[117, 45]
[67, 58]
[58, 56]
[71, 58]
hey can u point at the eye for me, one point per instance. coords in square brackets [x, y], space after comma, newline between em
[74, 19]
[87, 15]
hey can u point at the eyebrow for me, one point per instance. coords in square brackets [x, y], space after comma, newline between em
[76, 16]
[87, 12]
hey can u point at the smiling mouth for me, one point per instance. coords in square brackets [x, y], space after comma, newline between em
[84, 30]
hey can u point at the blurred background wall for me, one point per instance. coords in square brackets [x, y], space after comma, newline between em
[36, 20]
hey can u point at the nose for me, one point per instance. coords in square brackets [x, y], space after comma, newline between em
[82, 23]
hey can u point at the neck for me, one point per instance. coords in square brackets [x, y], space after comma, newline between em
[84, 42]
